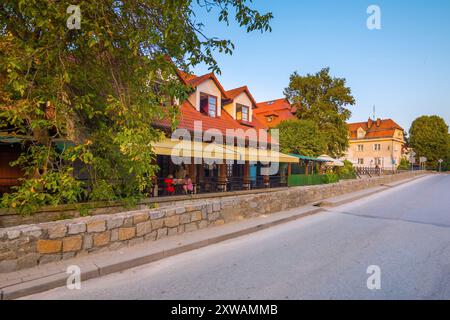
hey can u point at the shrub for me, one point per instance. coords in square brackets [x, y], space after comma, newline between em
[330, 178]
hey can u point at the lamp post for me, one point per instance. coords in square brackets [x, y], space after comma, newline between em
[440, 164]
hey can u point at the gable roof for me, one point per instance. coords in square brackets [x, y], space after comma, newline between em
[194, 81]
[233, 93]
[374, 128]
[188, 115]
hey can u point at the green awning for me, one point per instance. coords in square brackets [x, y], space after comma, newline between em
[11, 138]
[307, 158]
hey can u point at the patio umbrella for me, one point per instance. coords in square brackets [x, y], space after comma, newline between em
[330, 161]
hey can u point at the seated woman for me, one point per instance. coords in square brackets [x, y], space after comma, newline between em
[188, 187]
[170, 189]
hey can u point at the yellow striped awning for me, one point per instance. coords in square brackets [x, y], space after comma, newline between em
[195, 149]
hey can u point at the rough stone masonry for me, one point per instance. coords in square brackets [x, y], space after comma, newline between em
[26, 246]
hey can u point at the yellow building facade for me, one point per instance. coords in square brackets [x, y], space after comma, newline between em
[376, 143]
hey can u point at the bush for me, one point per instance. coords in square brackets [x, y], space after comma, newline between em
[404, 164]
[330, 178]
[347, 171]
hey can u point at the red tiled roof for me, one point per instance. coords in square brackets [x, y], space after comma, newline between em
[233, 93]
[194, 81]
[188, 115]
[280, 108]
[374, 128]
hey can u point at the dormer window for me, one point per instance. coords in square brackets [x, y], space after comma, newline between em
[208, 104]
[361, 133]
[242, 112]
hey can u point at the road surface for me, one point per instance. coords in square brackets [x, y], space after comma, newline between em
[405, 231]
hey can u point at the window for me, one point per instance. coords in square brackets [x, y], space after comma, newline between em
[208, 104]
[269, 119]
[377, 147]
[361, 133]
[242, 112]
[378, 161]
[360, 161]
[360, 147]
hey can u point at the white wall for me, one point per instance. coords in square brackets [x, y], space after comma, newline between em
[208, 87]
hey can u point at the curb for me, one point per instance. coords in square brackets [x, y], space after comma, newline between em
[95, 269]
[92, 269]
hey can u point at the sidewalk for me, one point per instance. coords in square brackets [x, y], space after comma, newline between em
[42, 278]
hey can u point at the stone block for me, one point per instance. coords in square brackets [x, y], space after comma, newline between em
[96, 225]
[28, 261]
[140, 217]
[143, 228]
[157, 224]
[49, 246]
[47, 258]
[57, 231]
[114, 235]
[196, 216]
[88, 241]
[172, 221]
[114, 222]
[161, 233]
[32, 231]
[72, 243]
[157, 214]
[76, 228]
[101, 239]
[185, 218]
[127, 233]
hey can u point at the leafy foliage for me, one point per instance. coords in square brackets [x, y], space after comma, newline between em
[323, 99]
[404, 164]
[330, 178]
[429, 138]
[347, 171]
[100, 87]
[301, 137]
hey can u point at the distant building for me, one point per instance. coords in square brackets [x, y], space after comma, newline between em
[271, 113]
[376, 143]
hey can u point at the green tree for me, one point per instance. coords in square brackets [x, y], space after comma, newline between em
[323, 99]
[429, 138]
[100, 86]
[301, 137]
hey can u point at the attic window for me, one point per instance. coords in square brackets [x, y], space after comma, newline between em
[242, 112]
[208, 105]
[361, 133]
[269, 118]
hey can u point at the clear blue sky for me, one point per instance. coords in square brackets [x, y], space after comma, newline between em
[403, 69]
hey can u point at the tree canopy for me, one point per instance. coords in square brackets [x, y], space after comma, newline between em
[323, 99]
[429, 138]
[301, 137]
[100, 87]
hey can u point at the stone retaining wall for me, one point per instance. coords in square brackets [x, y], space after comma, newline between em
[35, 244]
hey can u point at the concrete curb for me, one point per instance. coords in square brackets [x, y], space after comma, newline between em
[93, 268]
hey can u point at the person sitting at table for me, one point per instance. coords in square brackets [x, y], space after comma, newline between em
[188, 187]
[170, 189]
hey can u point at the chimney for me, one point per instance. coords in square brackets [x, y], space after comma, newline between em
[378, 122]
[369, 123]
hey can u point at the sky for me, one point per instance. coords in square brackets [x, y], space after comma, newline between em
[403, 69]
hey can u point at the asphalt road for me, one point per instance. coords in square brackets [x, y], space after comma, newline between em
[405, 231]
